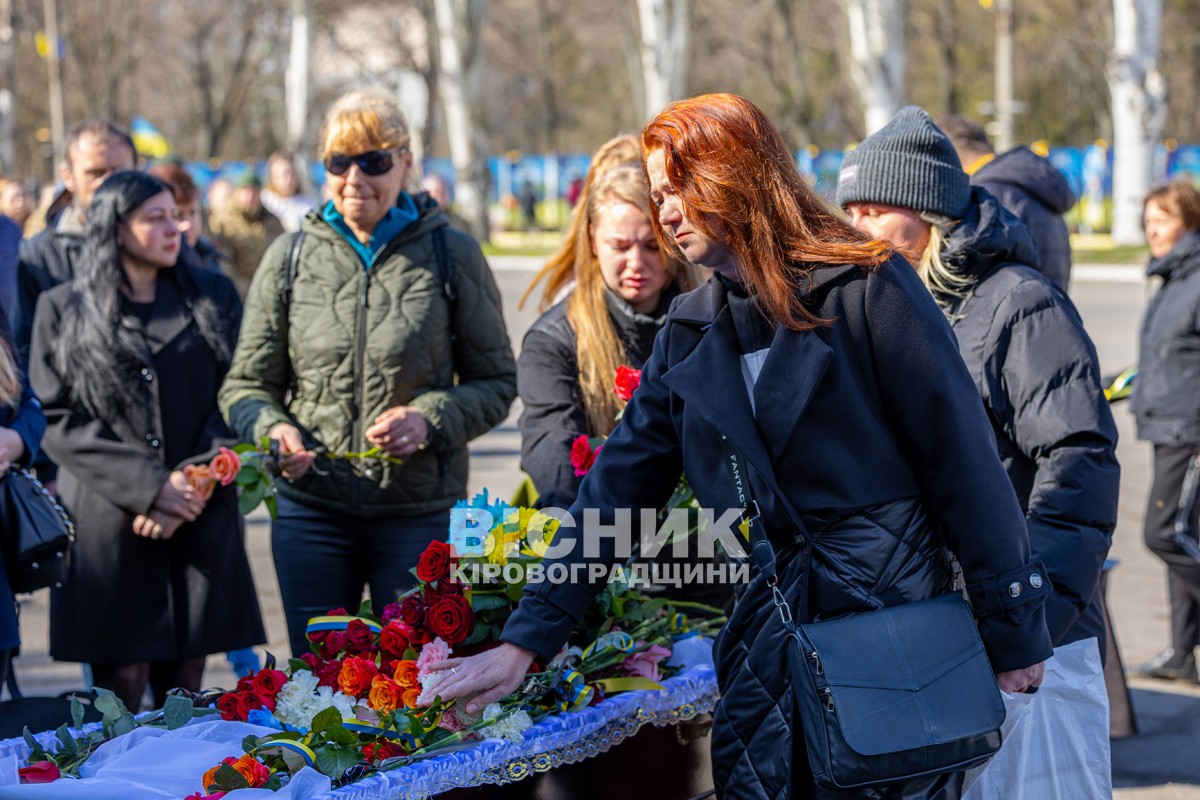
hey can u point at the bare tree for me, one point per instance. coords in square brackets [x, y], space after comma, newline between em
[1139, 109]
[877, 58]
[664, 29]
[459, 23]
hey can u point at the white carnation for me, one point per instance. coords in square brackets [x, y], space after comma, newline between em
[301, 699]
[511, 727]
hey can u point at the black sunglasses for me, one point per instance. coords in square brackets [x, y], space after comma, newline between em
[373, 162]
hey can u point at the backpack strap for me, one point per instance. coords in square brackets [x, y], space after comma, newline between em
[285, 294]
[445, 268]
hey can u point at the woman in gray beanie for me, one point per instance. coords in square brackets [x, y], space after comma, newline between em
[1022, 341]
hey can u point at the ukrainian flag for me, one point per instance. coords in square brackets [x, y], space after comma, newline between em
[148, 140]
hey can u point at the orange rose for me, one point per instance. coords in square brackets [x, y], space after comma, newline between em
[355, 678]
[407, 674]
[201, 479]
[411, 696]
[254, 771]
[210, 778]
[225, 466]
[385, 694]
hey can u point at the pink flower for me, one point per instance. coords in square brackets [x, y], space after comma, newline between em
[451, 722]
[435, 651]
[645, 663]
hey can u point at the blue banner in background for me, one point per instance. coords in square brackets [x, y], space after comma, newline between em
[1088, 171]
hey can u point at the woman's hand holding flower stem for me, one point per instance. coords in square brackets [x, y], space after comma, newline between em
[296, 458]
[156, 525]
[400, 431]
[179, 498]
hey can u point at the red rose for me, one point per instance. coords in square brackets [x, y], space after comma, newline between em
[355, 678]
[443, 588]
[247, 702]
[268, 682]
[390, 612]
[227, 704]
[434, 563]
[328, 674]
[225, 466]
[392, 639]
[39, 772]
[582, 455]
[245, 683]
[378, 751]
[359, 638]
[412, 611]
[337, 612]
[626, 382]
[334, 644]
[312, 660]
[451, 618]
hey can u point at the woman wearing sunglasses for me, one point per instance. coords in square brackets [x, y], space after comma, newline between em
[364, 348]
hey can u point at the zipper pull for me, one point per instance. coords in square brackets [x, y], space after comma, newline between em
[816, 659]
[827, 693]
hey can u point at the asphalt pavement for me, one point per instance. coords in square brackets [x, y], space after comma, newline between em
[1162, 762]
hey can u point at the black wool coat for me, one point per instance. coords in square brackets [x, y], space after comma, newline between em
[871, 430]
[128, 598]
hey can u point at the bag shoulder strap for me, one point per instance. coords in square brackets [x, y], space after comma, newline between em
[292, 267]
[445, 268]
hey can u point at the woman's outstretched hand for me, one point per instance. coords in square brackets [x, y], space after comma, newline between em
[484, 678]
[1021, 680]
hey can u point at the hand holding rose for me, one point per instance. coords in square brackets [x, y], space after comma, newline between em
[296, 459]
[179, 498]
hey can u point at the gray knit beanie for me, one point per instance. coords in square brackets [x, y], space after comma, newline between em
[908, 163]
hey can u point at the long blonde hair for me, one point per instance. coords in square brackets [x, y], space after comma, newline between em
[598, 347]
[940, 278]
[10, 379]
[559, 269]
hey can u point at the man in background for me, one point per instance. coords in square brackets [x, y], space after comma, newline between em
[94, 150]
[243, 229]
[1024, 183]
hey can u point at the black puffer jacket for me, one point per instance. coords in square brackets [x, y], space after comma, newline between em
[1033, 189]
[1166, 394]
[1038, 374]
[548, 384]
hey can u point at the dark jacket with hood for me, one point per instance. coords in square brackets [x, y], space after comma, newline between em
[548, 385]
[1033, 189]
[47, 260]
[1038, 374]
[1166, 394]
[870, 431]
[354, 342]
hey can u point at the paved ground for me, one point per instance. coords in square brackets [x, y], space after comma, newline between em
[1161, 763]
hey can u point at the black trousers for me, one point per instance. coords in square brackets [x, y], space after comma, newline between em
[324, 559]
[1183, 571]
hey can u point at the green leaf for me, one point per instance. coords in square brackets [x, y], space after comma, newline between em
[249, 743]
[347, 758]
[69, 745]
[229, 778]
[487, 602]
[247, 476]
[478, 635]
[249, 498]
[244, 448]
[364, 608]
[109, 705]
[39, 752]
[327, 761]
[295, 664]
[177, 712]
[76, 712]
[515, 591]
[124, 724]
[269, 502]
[326, 719]
[338, 734]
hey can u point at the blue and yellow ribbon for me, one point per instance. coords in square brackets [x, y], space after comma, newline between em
[290, 745]
[339, 623]
[613, 640]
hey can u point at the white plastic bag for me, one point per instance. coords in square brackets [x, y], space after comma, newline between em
[1055, 740]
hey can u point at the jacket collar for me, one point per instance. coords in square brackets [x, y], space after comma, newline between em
[1183, 259]
[795, 364]
[170, 315]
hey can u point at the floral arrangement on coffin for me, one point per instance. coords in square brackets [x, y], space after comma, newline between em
[349, 707]
[584, 450]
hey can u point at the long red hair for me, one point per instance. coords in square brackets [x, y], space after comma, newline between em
[739, 185]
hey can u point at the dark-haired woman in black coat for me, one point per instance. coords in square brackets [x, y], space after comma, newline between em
[127, 360]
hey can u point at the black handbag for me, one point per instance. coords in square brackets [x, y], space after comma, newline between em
[889, 695]
[37, 532]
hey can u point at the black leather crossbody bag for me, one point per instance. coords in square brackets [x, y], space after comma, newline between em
[883, 696]
[37, 533]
